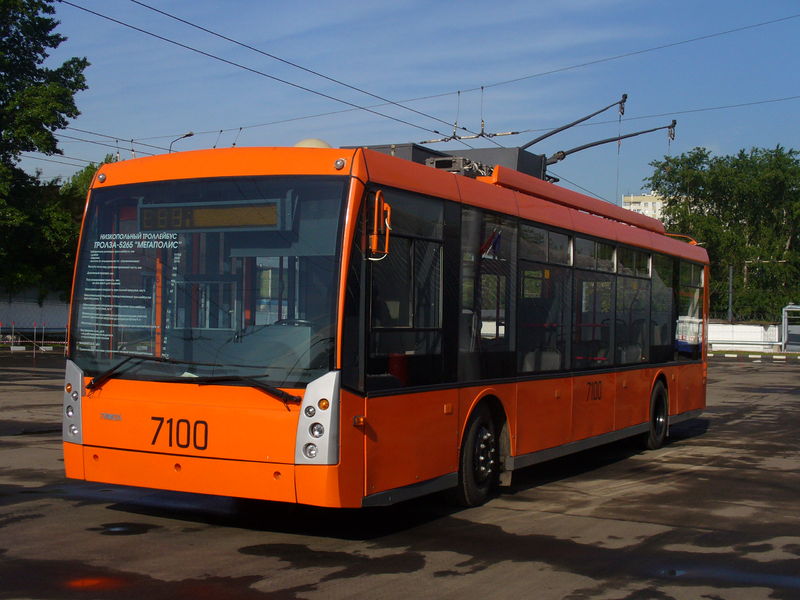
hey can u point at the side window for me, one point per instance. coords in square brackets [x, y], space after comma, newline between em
[533, 242]
[605, 257]
[392, 292]
[594, 255]
[662, 319]
[543, 321]
[354, 323]
[558, 248]
[405, 297]
[594, 313]
[487, 332]
[689, 328]
[631, 333]
[585, 253]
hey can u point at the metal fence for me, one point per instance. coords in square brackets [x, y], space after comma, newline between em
[33, 340]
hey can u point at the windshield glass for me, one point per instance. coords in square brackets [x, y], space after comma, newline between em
[224, 276]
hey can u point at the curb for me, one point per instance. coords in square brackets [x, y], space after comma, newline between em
[755, 357]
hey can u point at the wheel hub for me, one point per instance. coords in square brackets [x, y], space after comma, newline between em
[485, 455]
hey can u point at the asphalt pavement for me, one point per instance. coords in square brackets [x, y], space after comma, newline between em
[714, 514]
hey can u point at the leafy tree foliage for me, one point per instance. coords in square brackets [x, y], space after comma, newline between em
[37, 223]
[34, 100]
[77, 187]
[745, 209]
[44, 237]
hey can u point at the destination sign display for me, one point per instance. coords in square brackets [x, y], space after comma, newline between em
[198, 217]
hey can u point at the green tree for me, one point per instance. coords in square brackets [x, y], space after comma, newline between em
[77, 186]
[745, 209]
[45, 236]
[35, 101]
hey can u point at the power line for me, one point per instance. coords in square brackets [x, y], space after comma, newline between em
[399, 103]
[495, 84]
[531, 130]
[677, 112]
[561, 177]
[60, 162]
[69, 158]
[637, 52]
[246, 68]
[386, 101]
[115, 147]
[279, 122]
[116, 138]
[606, 59]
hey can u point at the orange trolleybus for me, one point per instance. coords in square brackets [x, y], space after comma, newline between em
[347, 328]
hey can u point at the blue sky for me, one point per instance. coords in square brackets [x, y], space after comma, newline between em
[151, 91]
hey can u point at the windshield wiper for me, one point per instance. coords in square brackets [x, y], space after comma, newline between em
[278, 393]
[98, 380]
[285, 397]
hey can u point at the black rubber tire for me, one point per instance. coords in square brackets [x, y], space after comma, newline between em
[659, 417]
[479, 463]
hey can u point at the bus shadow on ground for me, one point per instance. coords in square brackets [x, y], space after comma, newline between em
[598, 457]
[261, 515]
[366, 523]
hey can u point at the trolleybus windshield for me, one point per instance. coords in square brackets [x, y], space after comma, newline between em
[226, 278]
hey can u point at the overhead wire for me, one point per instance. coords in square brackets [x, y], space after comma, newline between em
[115, 147]
[386, 101]
[51, 160]
[580, 65]
[530, 130]
[85, 160]
[677, 112]
[562, 178]
[399, 103]
[116, 138]
[246, 68]
[637, 52]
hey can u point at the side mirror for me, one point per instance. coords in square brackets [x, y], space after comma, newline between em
[381, 227]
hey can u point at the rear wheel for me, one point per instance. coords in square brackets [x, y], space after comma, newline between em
[659, 415]
[479, 461]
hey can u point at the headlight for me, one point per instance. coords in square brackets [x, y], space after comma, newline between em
[310, 450]
[310, 411]
[316, 430]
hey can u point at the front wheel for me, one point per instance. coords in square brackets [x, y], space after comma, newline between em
[659, 415]
[479, 461]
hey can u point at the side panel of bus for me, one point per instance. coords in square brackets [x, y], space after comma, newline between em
[689, 390]
[632, 404]
[593, 405]
[544, 414]
[410, 438]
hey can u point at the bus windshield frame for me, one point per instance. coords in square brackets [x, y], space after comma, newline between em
[225, 277]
